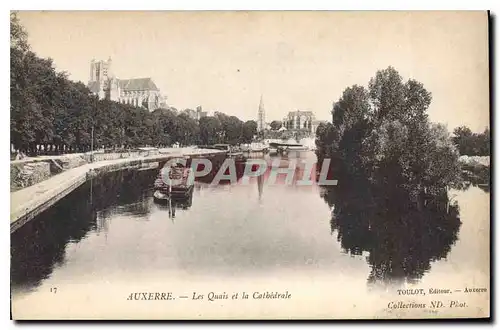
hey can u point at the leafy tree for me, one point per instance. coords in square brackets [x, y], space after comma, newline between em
[210, 130]
[387, 94]
[249, 130]
[383, 133]
[326, 141]
[49, 110]
[18, 34]
[275, 125]
[484, 141]
[233, 128]
[188, 129]
[472, 144]
[33, 100]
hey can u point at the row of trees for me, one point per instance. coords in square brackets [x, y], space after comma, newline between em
[49, 110]
[382, 133]
[472, 144]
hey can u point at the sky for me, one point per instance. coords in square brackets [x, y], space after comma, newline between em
[225, 61]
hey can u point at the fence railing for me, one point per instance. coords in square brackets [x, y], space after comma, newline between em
[97, 157]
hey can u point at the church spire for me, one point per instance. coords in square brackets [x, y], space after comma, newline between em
[261, 119]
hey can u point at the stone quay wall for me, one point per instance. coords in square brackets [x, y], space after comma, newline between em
[28, 202]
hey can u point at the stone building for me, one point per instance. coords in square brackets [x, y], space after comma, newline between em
[301, 120]
[195, 114]
[137, 92]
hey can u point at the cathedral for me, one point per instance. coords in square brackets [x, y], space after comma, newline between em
[137, 92]
[301, 120]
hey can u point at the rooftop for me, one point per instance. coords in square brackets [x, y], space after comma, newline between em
[137, 84]
[301, 112]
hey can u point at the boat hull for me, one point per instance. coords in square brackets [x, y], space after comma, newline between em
[175, 192]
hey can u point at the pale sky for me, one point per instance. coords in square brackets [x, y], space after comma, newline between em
[298, 60]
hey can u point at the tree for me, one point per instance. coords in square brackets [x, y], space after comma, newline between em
[484, 142]
[383, 134]
[188, 129]
[34, 98]
[249, 130]
[233, 128]
[472, 144]
[326, 141]
[463, 140]
[406, 148]
[161, 118]
[49, 109]
[387, 93]
[350, 119]
[18, 34]
[210, 130]
[275, 125]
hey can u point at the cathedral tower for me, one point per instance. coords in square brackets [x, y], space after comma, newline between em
[101, 78]
[137, 92]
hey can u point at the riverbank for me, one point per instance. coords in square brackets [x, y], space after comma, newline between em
[476, 168]
[28, 202]
[32, 170]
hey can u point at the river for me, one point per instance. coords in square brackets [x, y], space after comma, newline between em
[107, 239]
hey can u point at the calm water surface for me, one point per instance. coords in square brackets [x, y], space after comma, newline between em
[110, 232]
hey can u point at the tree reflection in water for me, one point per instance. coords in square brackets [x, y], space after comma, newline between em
[39, 246]
[401, 237]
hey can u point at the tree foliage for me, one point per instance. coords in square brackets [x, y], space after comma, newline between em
[249, 130]
[472, 144]
[49, 110]
[383, 134]
[276, 125]
[18, 34]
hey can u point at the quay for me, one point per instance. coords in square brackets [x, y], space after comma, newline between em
[27, 203]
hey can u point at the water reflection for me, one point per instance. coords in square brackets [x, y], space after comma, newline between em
[260, 186]
[39, 246]
[174, 204]
[228, 231]
[401, 238]
[227, 175]
[482, 182]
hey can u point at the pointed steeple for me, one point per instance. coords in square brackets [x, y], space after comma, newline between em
[261, 118]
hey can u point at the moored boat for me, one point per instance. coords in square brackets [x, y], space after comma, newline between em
[256, 149]
[232, 152]
[165, 189]
[285, 148]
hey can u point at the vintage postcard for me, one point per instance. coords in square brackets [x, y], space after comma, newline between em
[248, 165]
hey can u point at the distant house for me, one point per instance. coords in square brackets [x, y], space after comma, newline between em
[139, 92]
[195, 114]
[301, 120]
